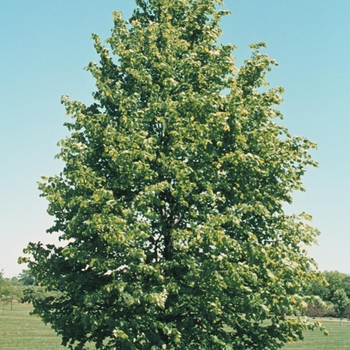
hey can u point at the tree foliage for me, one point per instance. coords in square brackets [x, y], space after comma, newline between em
[329, 282]
[340, 301]
[170, 203]
[10, 289]
[26, 279]
[336, 280]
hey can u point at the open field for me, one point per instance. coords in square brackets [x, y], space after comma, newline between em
[338, 338]
[19, 331]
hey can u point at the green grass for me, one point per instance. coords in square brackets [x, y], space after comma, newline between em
[20, 331]
[338, 338]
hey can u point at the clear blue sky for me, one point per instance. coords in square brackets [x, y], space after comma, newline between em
[45, 46]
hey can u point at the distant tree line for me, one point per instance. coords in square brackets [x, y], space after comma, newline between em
[330, 293]
[10, 289]
[22, 288]
[333, 291]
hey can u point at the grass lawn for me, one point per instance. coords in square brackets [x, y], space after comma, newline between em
[338, 338]
[20, 331]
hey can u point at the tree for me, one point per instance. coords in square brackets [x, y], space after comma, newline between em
[10, 289]
[327, 283]
[319, 287]
[31, 291]
[340, 301]
[26, 278]
[335, 281]
[170, 203]
[346, 285]
[5, 287]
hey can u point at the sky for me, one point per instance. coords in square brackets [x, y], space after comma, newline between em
[45, 45]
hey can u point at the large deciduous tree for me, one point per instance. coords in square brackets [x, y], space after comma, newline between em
[170, 203]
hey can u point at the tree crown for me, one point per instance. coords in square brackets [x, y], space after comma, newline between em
[171, 198]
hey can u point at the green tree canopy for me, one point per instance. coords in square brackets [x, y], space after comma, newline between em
[328, 283]
[170, 202]
[340, 301]
[10, 289]
[336, 280]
